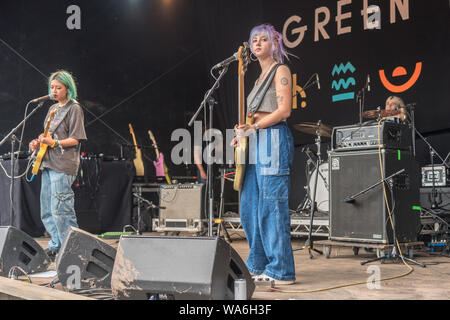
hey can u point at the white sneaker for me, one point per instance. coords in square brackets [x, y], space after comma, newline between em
[276, 281]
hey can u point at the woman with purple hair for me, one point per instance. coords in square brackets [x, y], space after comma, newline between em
[264, 207]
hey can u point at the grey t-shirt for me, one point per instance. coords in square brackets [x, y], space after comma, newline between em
[72, 126]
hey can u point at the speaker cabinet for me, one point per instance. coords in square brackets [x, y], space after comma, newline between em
[367, 218]
[182, 208]
[19, 249]
[84, 261]
[177, 268]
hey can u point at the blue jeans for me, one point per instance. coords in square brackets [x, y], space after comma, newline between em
[57, 206]
[264, 207]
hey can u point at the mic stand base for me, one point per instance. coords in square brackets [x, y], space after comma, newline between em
[395, 257]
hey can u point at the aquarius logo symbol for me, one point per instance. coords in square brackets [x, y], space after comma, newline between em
[296, 89]
[343, 83]
[398, 72]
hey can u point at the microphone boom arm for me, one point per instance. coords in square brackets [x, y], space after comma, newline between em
[11, 133]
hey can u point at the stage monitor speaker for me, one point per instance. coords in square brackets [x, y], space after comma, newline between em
[177, 268]
[367, 218]
[84, 261]
[19, 249]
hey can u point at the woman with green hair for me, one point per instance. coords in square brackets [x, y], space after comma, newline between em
[62, 159]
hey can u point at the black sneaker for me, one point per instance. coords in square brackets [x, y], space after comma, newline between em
[51, 254]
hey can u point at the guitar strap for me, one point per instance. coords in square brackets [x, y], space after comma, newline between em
[59, 117]
[257, 100]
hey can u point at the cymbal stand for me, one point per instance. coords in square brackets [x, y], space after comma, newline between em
[309, 242]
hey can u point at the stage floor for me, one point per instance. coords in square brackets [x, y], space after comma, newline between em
[343, 268]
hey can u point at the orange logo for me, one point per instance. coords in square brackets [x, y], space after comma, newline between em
[400, 71]
[296, 89]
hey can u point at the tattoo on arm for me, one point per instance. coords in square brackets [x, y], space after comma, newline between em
[284, 81]
[280, 99]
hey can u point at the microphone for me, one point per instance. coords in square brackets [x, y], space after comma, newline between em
[368, 82]
[348, 200]
[43, 98]
[317, 80]
[227, 61]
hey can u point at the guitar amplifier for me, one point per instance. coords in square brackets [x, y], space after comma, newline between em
[391, 136]
[182, 208]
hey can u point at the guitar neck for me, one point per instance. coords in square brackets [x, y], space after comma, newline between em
[241, 90]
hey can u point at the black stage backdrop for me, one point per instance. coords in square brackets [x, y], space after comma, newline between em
[148, 62]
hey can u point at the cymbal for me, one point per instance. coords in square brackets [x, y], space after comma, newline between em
[373, 114]
[314, 128]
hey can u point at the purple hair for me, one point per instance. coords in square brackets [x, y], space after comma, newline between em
[278, 52]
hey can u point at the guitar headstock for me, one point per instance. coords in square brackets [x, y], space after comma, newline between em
[244, 58]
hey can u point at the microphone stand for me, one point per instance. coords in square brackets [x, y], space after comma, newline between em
[351, 199]
[361, 99]
[150, 205]
[209, 183]
[11, 135]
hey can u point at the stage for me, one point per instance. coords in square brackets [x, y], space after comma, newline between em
[331, 279]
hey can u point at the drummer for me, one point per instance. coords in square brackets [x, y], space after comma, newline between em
[394, 103]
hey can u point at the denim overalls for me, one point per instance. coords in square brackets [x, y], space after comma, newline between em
[264, 206]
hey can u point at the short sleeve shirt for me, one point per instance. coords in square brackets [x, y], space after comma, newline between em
[66, 160]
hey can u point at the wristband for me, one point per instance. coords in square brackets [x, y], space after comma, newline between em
[256, 126]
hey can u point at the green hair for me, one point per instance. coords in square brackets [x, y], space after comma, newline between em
[67, 80]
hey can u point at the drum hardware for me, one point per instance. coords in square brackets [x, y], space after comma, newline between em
[433, 152]
[322, 197]
[381, 114]
[320, 130]
[314, 128]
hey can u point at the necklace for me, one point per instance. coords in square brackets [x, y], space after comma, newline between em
[262, 76]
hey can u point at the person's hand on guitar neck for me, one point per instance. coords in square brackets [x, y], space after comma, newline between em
[48, 140]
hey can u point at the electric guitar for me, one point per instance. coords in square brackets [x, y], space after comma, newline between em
[42, 147]
[241, 151]
[138, 163]
[160, 165]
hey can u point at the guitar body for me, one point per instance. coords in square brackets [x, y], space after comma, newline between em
[241, 151]
[160, 165]
[138, 163]
[40, 156]
[42, 147]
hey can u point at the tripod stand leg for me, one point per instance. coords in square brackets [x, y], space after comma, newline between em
[413, 261]
[373, 260]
